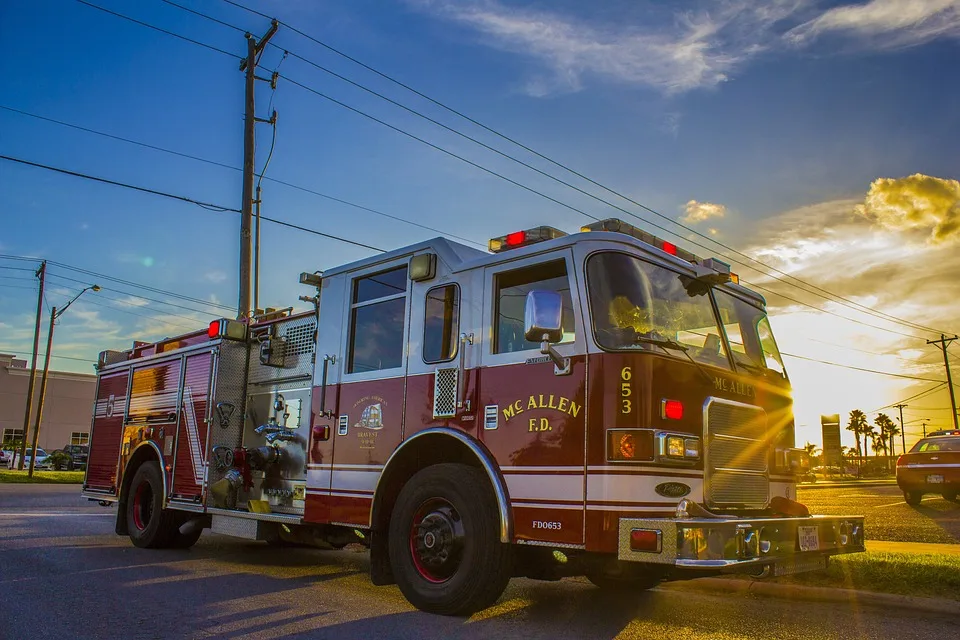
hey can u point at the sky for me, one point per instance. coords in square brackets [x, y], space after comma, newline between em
[817, 141]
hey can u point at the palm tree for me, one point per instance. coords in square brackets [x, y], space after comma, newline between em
[857, 423]
[893, 431]
[869, 433]
[812, 450]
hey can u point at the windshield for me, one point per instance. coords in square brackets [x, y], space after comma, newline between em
[938, 444]
[635, 302]
[748, 333]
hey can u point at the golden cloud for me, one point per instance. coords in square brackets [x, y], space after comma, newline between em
[700, 211]
[917, 202]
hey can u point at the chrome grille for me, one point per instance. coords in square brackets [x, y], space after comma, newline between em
[736, 455]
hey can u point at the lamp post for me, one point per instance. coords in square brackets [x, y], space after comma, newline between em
[54, 314]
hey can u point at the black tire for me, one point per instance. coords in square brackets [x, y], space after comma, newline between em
[150, 526]
[950, 495]
[912, 497]
[444, 542]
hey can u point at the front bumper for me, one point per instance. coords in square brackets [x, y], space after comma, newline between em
[786, 544]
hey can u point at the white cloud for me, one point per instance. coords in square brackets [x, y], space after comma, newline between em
[700, 211]
[216, 276]
[917, 202]
[886, 23]
[696, 48]
[679, 48]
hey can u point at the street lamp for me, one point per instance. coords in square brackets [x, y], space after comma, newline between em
[54, 314]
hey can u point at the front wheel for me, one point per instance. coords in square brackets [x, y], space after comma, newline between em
[912, 497]
[444, 542]
[150, 525]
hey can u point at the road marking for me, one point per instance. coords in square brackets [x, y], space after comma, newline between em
[893, 504]
[53, 515]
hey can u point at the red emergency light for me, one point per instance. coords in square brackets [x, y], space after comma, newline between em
[645, 540]
[524, 238]
[671, 409]
[226, 328]
[669, 247]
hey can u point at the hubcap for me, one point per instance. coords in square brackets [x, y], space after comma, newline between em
[142, 506]
[437, 540]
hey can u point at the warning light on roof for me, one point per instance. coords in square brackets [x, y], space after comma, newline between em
[525, 238]
[669, 247]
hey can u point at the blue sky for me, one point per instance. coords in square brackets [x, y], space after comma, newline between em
[772, 120]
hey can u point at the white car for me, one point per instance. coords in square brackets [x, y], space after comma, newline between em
[41, 457]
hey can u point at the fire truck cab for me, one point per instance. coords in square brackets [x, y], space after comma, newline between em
[601, 404]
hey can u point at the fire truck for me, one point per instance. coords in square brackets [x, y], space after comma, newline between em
[603, 404]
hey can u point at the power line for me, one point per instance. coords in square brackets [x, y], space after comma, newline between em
[847, 366]
[565, 167]
[913, 397]
[577, 210]
[136, 295]
[41, 355]
[217, 208]
[129, 283]
[233, 168]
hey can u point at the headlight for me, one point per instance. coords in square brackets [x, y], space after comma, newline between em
[675, 447]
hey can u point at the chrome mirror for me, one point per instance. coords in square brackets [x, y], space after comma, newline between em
[543, 316]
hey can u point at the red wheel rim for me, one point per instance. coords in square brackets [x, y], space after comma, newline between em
[142, 506]
[437, 540]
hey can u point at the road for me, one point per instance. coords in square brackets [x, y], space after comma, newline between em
[888, 517]
[64, 574]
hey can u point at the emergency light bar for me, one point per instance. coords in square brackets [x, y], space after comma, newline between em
[719, 272]
[525, 238]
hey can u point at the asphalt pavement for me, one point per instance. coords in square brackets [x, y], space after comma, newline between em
[64, 574]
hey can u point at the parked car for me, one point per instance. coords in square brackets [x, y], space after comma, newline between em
[931, 466]
[5, 457]
[39, 464]
[78, 456]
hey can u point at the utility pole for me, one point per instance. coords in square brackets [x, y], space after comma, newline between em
[54, 314]
[943, 342]
[42, 274]
[43, 392]
[249, 66]
[903, 430]
[923, 423]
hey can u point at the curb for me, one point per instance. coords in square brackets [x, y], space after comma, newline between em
[839, 485]
[815, 594]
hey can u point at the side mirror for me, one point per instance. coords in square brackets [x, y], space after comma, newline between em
[543, 316]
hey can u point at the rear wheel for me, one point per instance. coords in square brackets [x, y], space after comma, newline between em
[444, 542]
[912, 497]
[149, 524]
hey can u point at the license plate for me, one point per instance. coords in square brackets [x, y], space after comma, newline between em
[934, 479]
[809, 539]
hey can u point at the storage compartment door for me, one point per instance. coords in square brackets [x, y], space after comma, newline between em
[192, 430]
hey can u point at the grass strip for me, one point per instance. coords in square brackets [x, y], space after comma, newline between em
[41, 477]
[929, 575]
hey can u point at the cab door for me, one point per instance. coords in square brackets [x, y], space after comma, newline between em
[533, 414]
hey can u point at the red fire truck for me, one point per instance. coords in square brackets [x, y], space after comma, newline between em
[602, 404]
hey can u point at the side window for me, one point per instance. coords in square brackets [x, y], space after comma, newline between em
[512, 288]
[377, 321]
[441, 324]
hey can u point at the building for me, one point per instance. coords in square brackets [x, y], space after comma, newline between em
[67, 410]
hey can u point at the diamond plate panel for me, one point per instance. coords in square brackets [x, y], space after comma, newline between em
[445, 385]
[300, 337]
[230, 388]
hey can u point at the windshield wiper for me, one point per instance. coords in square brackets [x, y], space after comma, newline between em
[763, 371]
[668, 343]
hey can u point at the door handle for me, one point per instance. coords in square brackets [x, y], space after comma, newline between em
[462, 402]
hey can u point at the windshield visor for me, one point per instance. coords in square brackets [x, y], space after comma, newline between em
[749, 335]
[634, 302]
